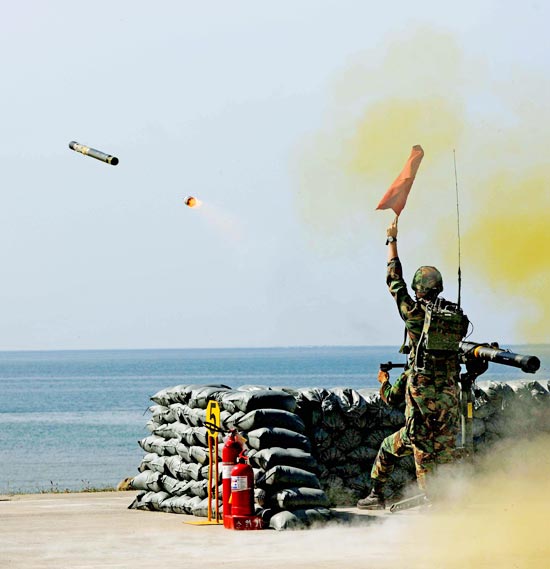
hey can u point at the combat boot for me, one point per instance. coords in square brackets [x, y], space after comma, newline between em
[374, 501]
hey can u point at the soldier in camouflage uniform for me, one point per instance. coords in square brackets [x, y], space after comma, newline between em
[428, 386]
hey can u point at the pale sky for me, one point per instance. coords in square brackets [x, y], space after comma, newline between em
[269, 113]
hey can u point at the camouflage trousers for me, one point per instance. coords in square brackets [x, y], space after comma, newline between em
[431, 421]
[435, 447]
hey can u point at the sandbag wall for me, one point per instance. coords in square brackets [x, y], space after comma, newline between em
[310, 448]
[503, 410]
[346, 428]
[174, 471]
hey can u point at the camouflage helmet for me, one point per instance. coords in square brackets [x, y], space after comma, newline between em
[427, 281]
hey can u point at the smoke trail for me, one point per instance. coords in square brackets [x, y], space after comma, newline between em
[224, 221]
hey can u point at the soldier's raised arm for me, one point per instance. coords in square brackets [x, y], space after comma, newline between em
[391, 240]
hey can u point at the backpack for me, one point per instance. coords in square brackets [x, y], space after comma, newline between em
[445, 326]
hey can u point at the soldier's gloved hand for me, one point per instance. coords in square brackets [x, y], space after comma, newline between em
[391, 231]
[383, 376]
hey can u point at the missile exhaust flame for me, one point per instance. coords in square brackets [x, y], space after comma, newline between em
[191, 201]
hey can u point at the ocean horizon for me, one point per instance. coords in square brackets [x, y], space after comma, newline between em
[71, 419]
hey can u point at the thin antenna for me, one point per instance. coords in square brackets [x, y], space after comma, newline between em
[458, 230]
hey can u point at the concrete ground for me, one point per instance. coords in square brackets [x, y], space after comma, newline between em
[93, 530]
[97, 530]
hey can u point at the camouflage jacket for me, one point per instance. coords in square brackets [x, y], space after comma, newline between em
[394, 395]
[411, 311]
[431, 392]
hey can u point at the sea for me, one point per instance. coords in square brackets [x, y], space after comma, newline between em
[71, 420]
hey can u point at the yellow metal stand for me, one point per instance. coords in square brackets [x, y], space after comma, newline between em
[213, 424]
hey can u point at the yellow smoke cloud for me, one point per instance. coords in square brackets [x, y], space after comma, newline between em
[507, 244]
[497, 518]
[419, 93]
[392, 124]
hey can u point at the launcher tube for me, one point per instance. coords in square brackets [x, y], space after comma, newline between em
[528, 364]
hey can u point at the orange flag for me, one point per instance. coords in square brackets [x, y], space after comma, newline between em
[397, 194]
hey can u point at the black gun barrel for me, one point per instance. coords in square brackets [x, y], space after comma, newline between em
[390, 365]
[97, 154]
[492, 353]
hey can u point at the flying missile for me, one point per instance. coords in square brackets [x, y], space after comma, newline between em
[97, 154]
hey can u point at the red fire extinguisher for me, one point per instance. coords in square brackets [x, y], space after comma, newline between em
[230, 452]
[242, 488]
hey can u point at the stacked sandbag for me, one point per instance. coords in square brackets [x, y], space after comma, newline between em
[174, 471]
[287, 488]
[503, 410]
[287, 491]
[346, 428]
